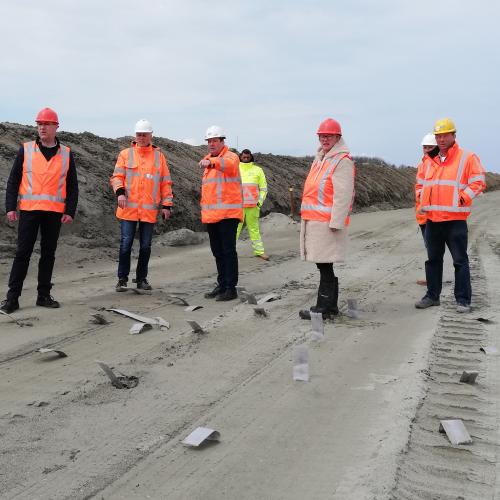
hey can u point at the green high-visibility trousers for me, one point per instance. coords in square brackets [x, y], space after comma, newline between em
[251, 219]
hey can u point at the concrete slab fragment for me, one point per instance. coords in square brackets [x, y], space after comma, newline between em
[137, 328]
[156, 322]
[260, 311]
[268, 298]
[122, 382]
[200, 435]
[182, 301]
[456, 431]
[489, 349]
[195, 326]
[44, 350]
[318, 329]
[248, 297]
[469, 377]
[192, 308]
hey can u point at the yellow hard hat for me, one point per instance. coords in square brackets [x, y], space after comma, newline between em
[444, 126]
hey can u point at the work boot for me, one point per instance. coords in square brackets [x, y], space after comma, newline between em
[262, 256]
[143, 284]
[214, 293]
[9, 305]
[327, 301]
[121, 286]
[47, 301]
[462, 307]
[228, 294]
[426, 302]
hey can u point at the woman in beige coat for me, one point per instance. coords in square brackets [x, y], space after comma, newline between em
[326, 205]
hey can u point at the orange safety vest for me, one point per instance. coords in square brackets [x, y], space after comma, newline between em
[448, 188]
[221, 196]
[319, 192]
[421, 218]
[43, 185]
[144, 174]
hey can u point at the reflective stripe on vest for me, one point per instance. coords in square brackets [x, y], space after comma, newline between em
[457, 186]
[156, 178]
[321, 207]
[64, 153]
[219, 180]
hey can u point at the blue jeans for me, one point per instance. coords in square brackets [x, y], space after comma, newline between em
[128, 228]
[452, 234]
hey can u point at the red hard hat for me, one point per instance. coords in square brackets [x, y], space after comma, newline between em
[47, 115]
[330, 127]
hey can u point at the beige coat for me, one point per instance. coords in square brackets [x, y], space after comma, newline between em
[318, 243]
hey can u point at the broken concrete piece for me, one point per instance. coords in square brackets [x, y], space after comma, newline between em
[489, 350]
[192, 308]
[156, 322]
[183, 302]
[249, 298]
[44, 350]
[200, 435]
[260, 311]
[123, 382]
[268, 298]
[195, 326]
[99, 319]
[469, 377]
[456, 431]
[317, 326]
[301, 364]
[137, 328]
[352, 309]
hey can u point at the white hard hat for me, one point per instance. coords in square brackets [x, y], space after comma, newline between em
[143, 126]
[429, 140]
[213, 132]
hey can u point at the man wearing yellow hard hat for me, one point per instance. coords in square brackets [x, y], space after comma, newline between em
[451, 181]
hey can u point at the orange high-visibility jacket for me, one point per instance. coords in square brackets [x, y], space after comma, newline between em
[221, 196]
[421, 218]
[43, 185]
[319, 195]
[144, 174]
[449, 187]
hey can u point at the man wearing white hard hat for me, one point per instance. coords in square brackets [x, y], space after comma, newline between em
[143, 187]
[429, 147]
[222, 210]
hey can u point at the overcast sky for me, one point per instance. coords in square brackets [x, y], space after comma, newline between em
[266, 71]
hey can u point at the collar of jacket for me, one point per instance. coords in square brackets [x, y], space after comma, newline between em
[39, 142]
[249, 164]
[340, 147]
[450, 155]
[143, 149]
[223, 151]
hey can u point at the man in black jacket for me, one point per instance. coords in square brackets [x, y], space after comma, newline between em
[43, 184]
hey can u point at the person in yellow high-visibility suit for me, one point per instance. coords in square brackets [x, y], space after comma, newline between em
[254, 186]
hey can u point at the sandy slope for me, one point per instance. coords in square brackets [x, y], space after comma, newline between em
[354, 431]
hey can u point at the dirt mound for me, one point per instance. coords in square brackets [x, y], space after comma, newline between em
[378, 184]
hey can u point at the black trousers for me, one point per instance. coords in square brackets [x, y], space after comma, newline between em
[30, 222]
[222, 236]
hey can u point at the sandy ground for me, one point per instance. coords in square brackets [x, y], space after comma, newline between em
[364, 427]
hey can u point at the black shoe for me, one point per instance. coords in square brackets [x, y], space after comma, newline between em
[9, 305]
[143, 284]
[229, 294]
[121, 286]
[47, 301]
[214, 293]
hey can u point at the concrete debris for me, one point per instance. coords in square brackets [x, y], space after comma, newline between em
[122, 382]
[248, 297]
[469, 377]
[268, 298]
[301, 364]
[137, 328]
[99, 319]
[195, 327]
[201, 435]
[485, 320]
[182, 301]
[157, 322]
[260, 311]
[352, 309]
[44, 350]
[192, 308]
[456, 431]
